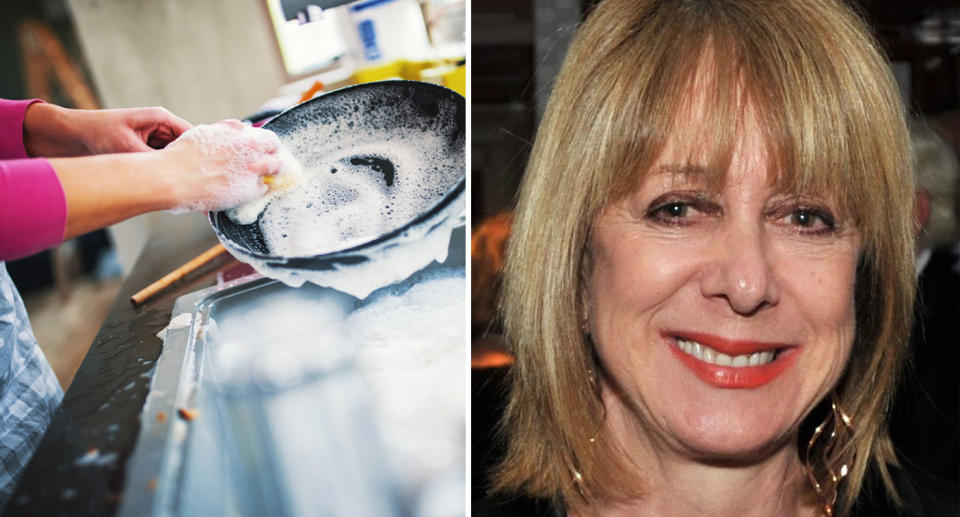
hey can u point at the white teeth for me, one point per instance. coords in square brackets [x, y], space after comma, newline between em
[724, 360]
[709, 355]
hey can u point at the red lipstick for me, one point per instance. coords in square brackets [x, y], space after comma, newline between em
[744, 377]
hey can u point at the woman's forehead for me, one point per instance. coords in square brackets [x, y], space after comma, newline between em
[686, 176]
[723, 115]
[690, 155]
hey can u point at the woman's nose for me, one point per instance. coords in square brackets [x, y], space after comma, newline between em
[741, 271]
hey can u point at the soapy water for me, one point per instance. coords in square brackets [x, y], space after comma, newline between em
[94, 457]
[245, 146]
[290, 175]
[177, 322]
[372, 162]
[362, 178]
[414, 371]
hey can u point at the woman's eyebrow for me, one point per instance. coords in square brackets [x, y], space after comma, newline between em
[682, 170]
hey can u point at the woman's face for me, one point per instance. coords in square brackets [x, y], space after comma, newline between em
[720, 318]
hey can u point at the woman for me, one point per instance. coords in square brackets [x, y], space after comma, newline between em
[715, 320]
[98, 167]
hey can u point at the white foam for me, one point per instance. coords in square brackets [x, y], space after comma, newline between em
[179, 321]
[338, 210]
[94, 457]
[278, 333]
[289, 176]
[410, 348]
[407, 343]
[244, 145]
[348, 195]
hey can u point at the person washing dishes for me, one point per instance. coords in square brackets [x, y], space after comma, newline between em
[65, 172]
[709, 281]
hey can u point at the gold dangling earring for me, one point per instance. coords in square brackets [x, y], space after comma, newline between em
[593, 379]
[840, 427]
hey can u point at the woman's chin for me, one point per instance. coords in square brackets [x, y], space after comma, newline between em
[721, 428]
[717, 439]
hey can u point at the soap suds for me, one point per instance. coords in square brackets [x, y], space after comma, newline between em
[94, 457]
[289, 177]
[365, 173]
[372, 162]
[410, 349]
[179, 321]
[406, 342]
[245, 145]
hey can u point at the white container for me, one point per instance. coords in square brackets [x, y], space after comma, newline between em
[388, 30]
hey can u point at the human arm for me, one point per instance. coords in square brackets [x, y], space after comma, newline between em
[53, 131]
[213, 167]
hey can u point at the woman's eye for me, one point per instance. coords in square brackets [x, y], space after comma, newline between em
[672, 213]
[681, 209]
[674, 209]
[811, 220]
[803, 218]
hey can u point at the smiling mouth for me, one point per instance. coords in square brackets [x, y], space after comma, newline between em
[727, 363]
[712, 356]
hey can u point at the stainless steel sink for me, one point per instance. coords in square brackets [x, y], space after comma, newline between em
[262, 404]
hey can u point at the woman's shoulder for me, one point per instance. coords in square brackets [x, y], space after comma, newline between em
[923, 495]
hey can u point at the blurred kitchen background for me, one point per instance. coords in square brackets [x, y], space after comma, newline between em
[204, 61]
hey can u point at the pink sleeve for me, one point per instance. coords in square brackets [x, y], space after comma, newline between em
[33, 207]
[11, 128]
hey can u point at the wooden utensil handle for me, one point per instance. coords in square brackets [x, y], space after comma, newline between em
[182, 271]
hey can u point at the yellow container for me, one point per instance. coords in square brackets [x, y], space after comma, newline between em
[456, 80]
[439, 71]
[392, 70]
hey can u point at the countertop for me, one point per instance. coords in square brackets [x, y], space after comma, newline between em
[79, 467]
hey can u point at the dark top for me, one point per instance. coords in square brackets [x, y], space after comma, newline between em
[923, 496]
[924, 422]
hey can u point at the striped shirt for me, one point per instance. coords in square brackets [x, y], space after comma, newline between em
[29, 391]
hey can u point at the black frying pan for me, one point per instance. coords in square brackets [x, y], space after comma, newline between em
[421, 104]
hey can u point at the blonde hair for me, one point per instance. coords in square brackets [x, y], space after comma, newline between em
[834, 124]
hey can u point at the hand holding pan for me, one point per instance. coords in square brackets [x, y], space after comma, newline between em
[383, 186]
